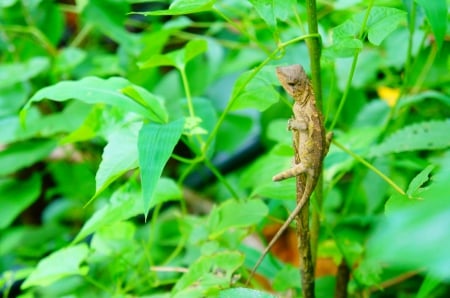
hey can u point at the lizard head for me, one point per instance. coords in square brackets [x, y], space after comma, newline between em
[293, 79]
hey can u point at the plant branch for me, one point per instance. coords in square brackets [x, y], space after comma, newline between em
[370, 167]
[352, 70]
[314, 48]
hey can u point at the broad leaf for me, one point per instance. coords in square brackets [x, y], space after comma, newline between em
[381, 22]
[266, 10]
[436, 12]
[119, 156]
[177, 58]
[11, 74]
[16, 196]
[155, 145]
[233, 214]
[244, 293]
[91, 90]
[62, 263]
[180, 7]
[203, 273]
[431, 135]
[423, 228]
[255, 91]
[20, 155]
[126, 203]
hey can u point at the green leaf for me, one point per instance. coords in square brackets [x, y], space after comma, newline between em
[431, 135]
[155, 145]
[382, 21]
[11, 74]
[423, 229]
[21, 155]
[16, 196]
[203, 272]
[179, 7]
[286, 279]
[146, 99]
[413, 194]
[244, 293]
[119, 156]
[91, 90]
[126, 203]
[266, 10]
[178, 58]
[419, 180]
[255, 92]
[343, 47]
[109, 17]
[436, 12]
[62, 263]
[233, 214]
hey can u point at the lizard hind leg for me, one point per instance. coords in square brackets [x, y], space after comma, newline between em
[292, 172]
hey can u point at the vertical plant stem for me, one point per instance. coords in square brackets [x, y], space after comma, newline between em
[308, 237]
[342, 279]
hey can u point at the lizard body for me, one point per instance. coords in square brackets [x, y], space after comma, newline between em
[310, 143]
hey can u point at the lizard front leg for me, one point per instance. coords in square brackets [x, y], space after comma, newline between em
[300, 126]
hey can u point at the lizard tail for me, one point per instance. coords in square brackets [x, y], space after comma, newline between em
[306, 194]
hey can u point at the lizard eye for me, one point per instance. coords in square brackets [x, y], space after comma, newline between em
[291, 84]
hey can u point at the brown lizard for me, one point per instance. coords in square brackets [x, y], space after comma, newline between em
[310, 143]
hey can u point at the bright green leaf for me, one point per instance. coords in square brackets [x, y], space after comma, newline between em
[119, 156]
[431, 135]
[62, 263]
[266, 10]
[286, 279]
[255, 92]
[413, 194]
[424, 233]
[436, 12]
[11, 74]
[21, 155]
[203, 272]
[194, 48]
[419, 180]
[125, 203]
[91, 90]
[178, 58]
[244, 293]
[180, 7]
[16, 196]
[153, 104]
[233, 214]
[155, 145]
[382, 21]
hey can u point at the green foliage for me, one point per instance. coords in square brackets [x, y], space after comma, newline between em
[121, 121]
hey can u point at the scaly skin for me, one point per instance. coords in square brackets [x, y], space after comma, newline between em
[310, 143]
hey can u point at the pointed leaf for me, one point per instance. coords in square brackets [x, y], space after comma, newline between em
[178, 58]
[436, 12]
[153, 104]
[179, 7]
[21, 155]
[155, 145]
[119, 156]
[90, 90]
[62, 263]
[233, 214]
[255, 91]
[429, 135]
[266, 10]
[16, 196]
